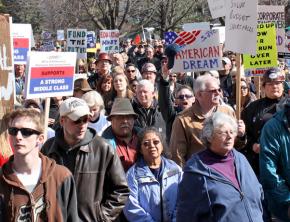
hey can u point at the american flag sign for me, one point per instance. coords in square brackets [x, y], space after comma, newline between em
[182, 38]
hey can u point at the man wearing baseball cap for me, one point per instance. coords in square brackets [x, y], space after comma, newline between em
[101, 184]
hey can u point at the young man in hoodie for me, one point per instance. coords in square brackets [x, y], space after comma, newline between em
[101, 184]
[32, 186]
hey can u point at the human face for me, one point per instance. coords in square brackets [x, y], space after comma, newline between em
[244, 89]
[172, 77]
[151, 147]
[95, 113]
[131, 73]
[151, 76]
[120, 83]
[104, 66]
[149, 53]
[184, 99]
[19, 70]
[122, 125]
[24, 144]
[211, 95]
[74, 131]
[223, 139]
[274, 89]
[144, 96]
[106, 86]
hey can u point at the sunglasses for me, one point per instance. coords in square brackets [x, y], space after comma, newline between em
[81, 120]
[131, 70]
[186, 96]
[25, 132]
[148, 142]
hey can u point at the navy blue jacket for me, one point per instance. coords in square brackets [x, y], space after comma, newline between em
[206, 195]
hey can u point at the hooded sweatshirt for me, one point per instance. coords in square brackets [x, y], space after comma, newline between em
[52, 199]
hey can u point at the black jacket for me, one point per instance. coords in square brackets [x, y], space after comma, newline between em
[101, 184]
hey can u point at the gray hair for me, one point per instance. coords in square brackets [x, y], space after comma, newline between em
[93, 98]
[201, 81]
[146, 83]
[217, 120]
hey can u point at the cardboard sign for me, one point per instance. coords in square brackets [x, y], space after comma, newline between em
[60, 35]
[217, 8]
[274, 14]
[266, 48]
[21, 42]
[50, 74]
[109, 40]
[91, 40]
[77, 42]
[241, 26]
[203, 54]
[6, 66]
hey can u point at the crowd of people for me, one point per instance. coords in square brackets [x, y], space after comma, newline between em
[139, 142]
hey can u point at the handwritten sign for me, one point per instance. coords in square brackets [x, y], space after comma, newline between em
[50, 74]
[241, 26]
[274, 14]
[202, 55]
[217, 8]
[77, 42]
[109, 40]
[266, 48]
[6, 67]
[21, 42]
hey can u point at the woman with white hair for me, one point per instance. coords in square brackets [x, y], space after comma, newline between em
[219, 183]
[98, 120]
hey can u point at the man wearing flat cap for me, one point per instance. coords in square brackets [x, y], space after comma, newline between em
[260, 111]
[122, 134]
[101, 184]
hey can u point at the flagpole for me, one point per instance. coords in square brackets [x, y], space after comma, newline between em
[238, 86]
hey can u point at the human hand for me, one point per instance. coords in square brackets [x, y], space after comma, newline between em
[256, 147]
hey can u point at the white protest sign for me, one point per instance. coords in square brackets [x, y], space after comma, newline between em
[222, 33]
[217, 8]
[77, 42]
[109, 40]
[203, 54]
[275, 14]
[50, 74]
[241, 26]
[60, 35]
[188, 27]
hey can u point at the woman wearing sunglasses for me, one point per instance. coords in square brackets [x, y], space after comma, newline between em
[153, 181]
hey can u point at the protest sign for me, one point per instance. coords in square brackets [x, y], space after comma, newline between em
[50, 74]
[60, 35]
[197, 26]
[6, 66]
[21, 42]
[287, 44]
[274, 14]
[91, 40]
[217, 8]
[77, 42]
[222, 33]
[241, 26]
[109, 40]
[266, 48]
[204, 53]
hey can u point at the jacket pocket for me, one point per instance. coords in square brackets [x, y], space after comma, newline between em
[99, 213]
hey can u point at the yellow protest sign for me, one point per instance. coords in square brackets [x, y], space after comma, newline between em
[266, 48]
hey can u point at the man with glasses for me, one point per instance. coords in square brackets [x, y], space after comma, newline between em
[149, 59]
[185, 137]
[100, 179]
[132, 73]
[32, 186]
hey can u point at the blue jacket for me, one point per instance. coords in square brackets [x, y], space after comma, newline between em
[275, 164]
[144, 204]
[206, 195]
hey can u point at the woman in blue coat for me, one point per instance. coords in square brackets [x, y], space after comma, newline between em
[153, 181]
[218, 183]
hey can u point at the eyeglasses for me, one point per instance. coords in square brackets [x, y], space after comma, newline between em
[273, 83]
[185, 96]
[81, 120]
[244, 87]
[131, 70]
[25, 132]
[213, 91]
[147, 143]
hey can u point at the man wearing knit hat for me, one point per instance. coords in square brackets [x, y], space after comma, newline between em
[101, 184]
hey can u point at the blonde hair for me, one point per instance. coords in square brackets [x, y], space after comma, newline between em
[6, 150]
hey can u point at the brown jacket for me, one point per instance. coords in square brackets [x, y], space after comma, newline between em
[186, 131]
[53, 198]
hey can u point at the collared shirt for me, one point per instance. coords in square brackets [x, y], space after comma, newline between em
[127, 152]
